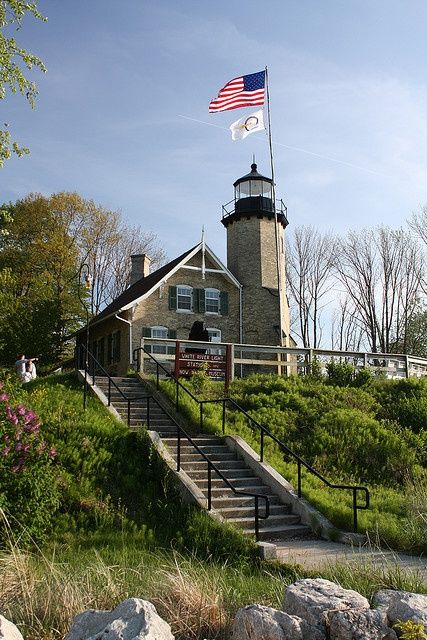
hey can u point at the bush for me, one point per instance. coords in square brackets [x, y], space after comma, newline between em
[357, 445]
[29, 493]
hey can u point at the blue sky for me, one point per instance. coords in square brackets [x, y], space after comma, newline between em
[122, 114]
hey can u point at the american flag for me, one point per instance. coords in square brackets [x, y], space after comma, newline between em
[245, 91]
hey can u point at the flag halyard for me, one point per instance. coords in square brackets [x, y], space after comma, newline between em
[244, 91]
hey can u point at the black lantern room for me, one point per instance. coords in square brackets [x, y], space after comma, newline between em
[253, 196]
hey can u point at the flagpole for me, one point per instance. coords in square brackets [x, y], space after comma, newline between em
[276, 221]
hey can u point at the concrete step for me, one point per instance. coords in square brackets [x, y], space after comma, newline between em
[225, 491]
[250, 484]
[233, 501]
[199, 463]
[279, 532]
[248, 511]
[276, 520]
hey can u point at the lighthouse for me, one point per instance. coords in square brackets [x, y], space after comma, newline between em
[255, 224]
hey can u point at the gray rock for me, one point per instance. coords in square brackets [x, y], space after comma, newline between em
[311, 599]
[257, 622]
[402, 605]
[359, 624]
[133, 619]
[9, 631]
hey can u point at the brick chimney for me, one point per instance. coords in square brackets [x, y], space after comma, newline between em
[140, 267]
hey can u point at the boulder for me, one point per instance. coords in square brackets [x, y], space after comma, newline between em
[133, 619]
[402, 605]
[9, 631]
[256, 622]
[310, 599]
[359, 624]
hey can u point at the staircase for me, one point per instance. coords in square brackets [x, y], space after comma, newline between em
[238, 510]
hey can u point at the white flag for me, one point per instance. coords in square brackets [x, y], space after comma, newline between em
[249, 124]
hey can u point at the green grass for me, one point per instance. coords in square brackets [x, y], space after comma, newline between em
[393, 515]
[121, 531]
[42, 591]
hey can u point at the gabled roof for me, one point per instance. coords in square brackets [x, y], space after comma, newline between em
[139, 288]
[146, 285]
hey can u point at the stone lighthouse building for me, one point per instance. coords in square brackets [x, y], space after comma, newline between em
[255, 226]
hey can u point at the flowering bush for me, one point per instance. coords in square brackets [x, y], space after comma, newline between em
[28, 488]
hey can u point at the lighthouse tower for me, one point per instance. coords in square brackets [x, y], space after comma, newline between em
[255, 255]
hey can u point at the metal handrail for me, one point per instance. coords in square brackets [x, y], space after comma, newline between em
[211, 465]
[300, 461]
[91, 358]
[264, 431]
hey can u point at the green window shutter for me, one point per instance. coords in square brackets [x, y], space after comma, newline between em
[172, 298]
[223, 303]
[146, 332]
[199, 300]
[172, 334]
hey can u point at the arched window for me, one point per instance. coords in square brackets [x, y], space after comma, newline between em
[212, 297]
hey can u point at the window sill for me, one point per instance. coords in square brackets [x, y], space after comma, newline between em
[184, 311]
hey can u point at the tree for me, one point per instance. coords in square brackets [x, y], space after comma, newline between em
[47, 241]
[381, 271]
[309, 271]
[14, 61]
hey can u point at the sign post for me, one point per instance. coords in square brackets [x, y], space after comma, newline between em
[188, 362]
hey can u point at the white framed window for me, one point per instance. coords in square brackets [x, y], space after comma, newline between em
[184, 298]
[214, 336]
[159, 332]
[212, 298]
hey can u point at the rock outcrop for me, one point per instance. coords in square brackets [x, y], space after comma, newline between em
[9, 631]
[319, 609]
[133, 619]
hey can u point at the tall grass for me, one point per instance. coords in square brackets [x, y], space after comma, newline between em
[42, 591]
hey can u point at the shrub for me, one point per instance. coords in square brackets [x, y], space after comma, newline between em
[28, 483]
[358, 445]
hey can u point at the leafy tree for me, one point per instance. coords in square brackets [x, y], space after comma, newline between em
[14, 62]
[44, 243]
[38, 266]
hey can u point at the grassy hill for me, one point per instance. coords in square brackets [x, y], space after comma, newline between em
[90, 516]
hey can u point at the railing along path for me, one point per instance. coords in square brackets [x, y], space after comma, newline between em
[263, 433]
[180, 434]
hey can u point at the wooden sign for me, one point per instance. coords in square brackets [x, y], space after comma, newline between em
[188, 362]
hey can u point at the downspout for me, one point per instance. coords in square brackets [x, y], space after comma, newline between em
[130, 334]
[241, 321]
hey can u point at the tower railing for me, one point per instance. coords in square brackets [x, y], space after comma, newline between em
[280, 208]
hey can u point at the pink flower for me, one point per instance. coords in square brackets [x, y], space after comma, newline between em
[19, 446]
[52, 453]
[4, 397]
[21, 410]
[30, 416]
[5, 451]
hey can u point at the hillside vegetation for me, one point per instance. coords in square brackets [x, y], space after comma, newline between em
[353, 428]
[90, 517]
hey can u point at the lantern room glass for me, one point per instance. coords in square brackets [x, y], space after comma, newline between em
[253, 188]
